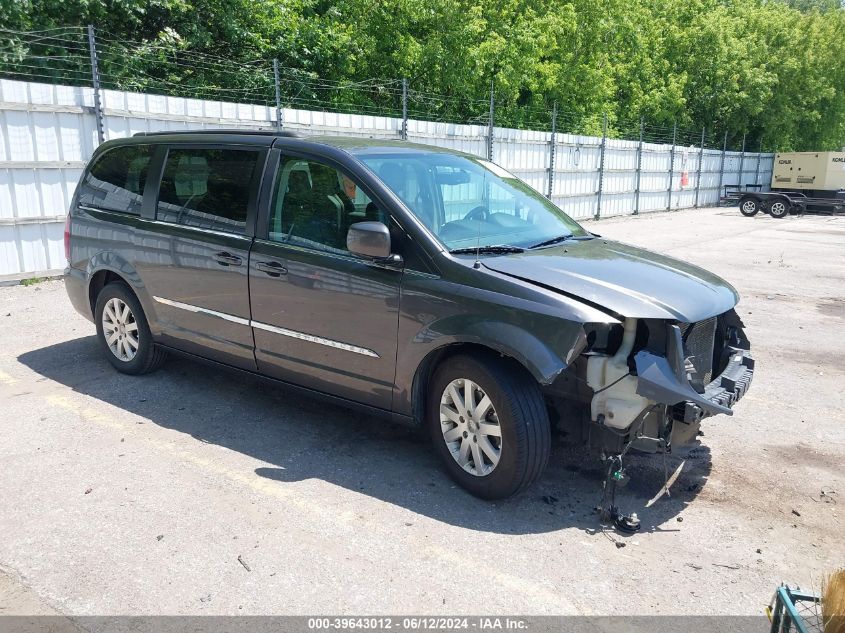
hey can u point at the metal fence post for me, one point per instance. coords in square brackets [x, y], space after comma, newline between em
[552, 152]
[757, 166]
[672, 162]
[722, 165]
[278, 87]
[601, 166]
[95, 80]
[639, 170]
[698, 173]
[490, 125]
[741, 162]
[404, 109]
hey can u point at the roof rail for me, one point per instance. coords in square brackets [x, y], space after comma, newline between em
[287, 133]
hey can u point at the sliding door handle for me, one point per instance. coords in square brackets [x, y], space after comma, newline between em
[227, 259]
[274, 269]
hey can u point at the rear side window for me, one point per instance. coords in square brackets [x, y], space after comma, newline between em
[207, 188]
[116, 180]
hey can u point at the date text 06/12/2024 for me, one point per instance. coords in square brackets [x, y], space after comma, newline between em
[417, 623]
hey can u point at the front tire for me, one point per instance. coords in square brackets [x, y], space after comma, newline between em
[749, 207]
[489, 425]
[123, 331]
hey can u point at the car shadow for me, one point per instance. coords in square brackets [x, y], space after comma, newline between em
[304, 438]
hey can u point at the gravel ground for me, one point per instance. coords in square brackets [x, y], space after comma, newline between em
[194, 491]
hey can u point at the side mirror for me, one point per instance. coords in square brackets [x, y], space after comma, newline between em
[369, 239]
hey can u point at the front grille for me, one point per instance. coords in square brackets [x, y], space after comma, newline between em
[699, 340]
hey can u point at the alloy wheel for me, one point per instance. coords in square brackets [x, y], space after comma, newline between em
[470, 427]
[120, 329]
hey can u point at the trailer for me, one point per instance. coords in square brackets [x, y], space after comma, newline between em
[802, 182]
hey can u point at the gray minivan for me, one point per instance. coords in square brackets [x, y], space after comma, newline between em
[421, 284]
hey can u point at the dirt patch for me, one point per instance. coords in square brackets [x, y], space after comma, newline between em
[832, 306]
[804, 455]
[808, 356]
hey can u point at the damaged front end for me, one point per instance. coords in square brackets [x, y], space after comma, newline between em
[660, 380]
[706, 368]
[647, 384]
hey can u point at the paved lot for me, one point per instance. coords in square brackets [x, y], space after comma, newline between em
[193, 491]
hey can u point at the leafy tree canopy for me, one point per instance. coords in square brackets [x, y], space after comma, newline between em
[771, 70]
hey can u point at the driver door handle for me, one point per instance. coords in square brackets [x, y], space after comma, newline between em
[274, 269]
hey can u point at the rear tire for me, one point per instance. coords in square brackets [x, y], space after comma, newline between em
[123, 331]
[503, 425]
[779, 209]
[749, 207]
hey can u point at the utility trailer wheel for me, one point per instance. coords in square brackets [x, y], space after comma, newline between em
[749, 207]
[779, 209]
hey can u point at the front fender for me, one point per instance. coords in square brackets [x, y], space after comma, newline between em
[541, 329]
[544, 359]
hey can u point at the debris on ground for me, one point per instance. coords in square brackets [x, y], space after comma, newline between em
[159, 537]
[826, 495]
[243, 562]
[548, 499]
[795, 512]
[88, 491]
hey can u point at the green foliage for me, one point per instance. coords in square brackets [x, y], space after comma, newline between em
[772, 70]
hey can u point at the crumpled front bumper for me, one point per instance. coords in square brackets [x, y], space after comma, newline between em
[733, 383]
[663, 379]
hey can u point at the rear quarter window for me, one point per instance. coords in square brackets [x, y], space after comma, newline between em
[115, 182]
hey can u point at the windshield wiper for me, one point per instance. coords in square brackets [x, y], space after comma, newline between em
[554, 240]
[498, 248]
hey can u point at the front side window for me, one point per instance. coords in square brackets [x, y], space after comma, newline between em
[468, 202]
[315, 204]
[207, 188]
[116, 180]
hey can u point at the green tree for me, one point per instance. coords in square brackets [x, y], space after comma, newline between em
[771, 70]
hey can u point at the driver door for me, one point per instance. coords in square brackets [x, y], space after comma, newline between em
[322, 317]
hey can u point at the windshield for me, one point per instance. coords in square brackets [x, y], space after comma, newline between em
[469, 202]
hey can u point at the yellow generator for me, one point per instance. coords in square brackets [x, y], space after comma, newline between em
[817, 174]
[802, 182]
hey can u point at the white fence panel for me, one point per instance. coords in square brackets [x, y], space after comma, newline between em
[48, 132]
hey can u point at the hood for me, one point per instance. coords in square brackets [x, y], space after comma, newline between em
[626, 280]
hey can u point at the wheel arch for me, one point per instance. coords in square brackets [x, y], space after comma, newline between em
[106, 267]
[750, 196]
[98, 281]
[538, 362]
